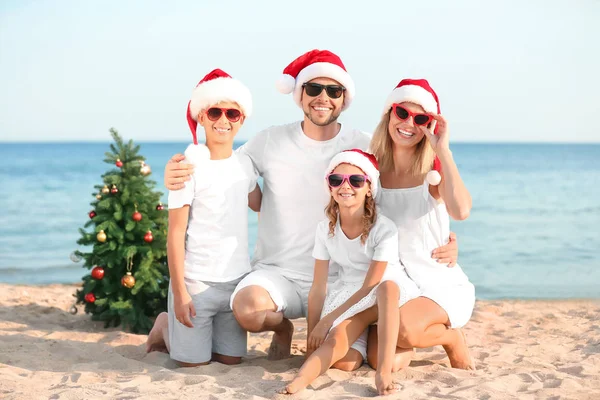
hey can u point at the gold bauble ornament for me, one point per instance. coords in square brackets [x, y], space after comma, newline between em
[98, 196]
[128, 280]
[105, 190]
[145, 169]
[101, 236]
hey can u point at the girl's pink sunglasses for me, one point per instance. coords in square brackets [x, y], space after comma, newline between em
[355, 180]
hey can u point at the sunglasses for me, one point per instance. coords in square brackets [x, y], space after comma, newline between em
[418, 118]
[315, 89]
[355, 180]
[232, 114]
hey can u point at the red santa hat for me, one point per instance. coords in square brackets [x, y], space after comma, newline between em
[311, 65]
[418, 91]
[215, 87]
[361, 159]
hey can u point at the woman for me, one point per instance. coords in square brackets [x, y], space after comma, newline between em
[411, 139]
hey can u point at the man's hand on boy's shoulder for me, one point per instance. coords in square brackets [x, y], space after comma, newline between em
[177, 172]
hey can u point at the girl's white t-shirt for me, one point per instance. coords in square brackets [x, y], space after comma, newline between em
[353, 257]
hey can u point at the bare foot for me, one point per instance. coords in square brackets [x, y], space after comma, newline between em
[281, 343]
[459, 354]
[384, 384]
[402, 358]
[156, 341]
[294, 386]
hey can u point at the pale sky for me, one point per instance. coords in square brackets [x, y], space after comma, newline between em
[507, 71]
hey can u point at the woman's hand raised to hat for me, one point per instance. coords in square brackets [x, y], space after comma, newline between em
[177, 172]
[441, 140]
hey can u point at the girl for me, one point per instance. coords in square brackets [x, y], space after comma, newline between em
[365, 246]
[411, 138]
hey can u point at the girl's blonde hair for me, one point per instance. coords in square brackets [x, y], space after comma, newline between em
[370, 215]
[383, 149]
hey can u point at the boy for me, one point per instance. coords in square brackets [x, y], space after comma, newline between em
[207, 242]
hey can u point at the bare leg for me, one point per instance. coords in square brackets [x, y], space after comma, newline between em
[227, 360]
[350, 362]
[158, 338]
[423, 323]
[255, 312]
[402, 357]
[388, 295]
[334, 348]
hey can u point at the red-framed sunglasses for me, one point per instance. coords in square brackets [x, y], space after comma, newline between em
[355, 180]
[232, 114]
[403, 114]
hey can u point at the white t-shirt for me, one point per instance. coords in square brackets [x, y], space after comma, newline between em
[294, 197]
[353, 257]
[216, 245]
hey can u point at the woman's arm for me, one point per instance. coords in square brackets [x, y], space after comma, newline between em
[452, 188]
[178, 220]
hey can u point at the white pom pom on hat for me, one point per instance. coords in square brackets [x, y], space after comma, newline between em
[197, 154]
[285, 84]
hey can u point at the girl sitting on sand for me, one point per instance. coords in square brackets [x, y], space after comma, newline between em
[365, 246]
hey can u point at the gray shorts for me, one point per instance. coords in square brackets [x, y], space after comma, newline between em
[215, 328]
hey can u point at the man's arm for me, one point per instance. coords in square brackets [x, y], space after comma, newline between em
[255, 199]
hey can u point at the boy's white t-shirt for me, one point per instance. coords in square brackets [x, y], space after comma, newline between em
[294, 194]
[216, 244]
[353, 257]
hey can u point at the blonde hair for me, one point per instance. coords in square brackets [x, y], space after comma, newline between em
[382, 147]
[370, 215]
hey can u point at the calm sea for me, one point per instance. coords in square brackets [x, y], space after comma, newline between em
[534, 230]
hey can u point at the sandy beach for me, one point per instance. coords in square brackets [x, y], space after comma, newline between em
[523, 350]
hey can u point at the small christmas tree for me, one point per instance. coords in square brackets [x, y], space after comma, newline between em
[129, 277]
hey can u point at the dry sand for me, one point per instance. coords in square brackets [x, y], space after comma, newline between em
[523, 350]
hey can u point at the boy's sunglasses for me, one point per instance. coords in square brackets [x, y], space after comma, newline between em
[418, 118]
[315, 89]
[232, 114]
[355, 180]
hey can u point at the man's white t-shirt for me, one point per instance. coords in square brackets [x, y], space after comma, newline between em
[353, 257]
[294, 195]
[216, 245]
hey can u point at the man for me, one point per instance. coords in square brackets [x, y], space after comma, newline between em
[292, 160]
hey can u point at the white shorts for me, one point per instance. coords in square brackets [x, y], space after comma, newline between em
[215, 328]
[457, 300]
[290, 297]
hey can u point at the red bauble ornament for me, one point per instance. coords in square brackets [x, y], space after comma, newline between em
[148, 237]
[137, 216]
[92, 214]
[119, 163]
[90, 298]
[98, 273]
[114, 190]
[160, 207]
